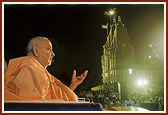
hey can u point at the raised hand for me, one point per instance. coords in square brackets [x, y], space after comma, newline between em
[77, 80]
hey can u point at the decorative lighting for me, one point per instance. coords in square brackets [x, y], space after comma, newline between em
[145, 82]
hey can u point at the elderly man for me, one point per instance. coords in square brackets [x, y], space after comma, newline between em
[27, 78]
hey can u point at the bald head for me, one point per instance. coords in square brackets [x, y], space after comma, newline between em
[36, 41]
[41, 49]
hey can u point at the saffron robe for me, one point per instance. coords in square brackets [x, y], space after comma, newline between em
[27, 80]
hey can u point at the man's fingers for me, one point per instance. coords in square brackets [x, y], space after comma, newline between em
[85, 73]
[74, 73]
[82, 76]
[79, 77]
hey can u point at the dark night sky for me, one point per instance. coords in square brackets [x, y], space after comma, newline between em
[77, 36]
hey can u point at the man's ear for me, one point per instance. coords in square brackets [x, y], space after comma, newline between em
[35, 51]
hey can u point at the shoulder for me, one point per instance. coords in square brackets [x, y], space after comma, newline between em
[26, 61]
[16, 65]
[21, 59]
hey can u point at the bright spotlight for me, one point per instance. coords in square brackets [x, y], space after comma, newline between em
[112, 11]
[139, 82]
[145, 82]
[150, 57]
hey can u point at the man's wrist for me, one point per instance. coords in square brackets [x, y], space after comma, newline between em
[72, 87]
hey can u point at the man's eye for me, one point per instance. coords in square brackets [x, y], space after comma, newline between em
[50, 50]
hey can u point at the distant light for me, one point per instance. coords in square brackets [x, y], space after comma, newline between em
[145, 82]
[142, 82]
[157, 56]
[150, 45]
[150, 57]
[105, 74]
[111, 12]
[139, 82]
[130, 71]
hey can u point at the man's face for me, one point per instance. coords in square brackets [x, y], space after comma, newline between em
[45, 53]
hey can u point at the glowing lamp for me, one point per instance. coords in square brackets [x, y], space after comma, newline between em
[139, 82]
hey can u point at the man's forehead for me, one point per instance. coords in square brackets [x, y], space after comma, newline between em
[46, 42]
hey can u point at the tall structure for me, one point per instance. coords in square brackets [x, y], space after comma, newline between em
[118, 57]
[118, 54]
[120, 75]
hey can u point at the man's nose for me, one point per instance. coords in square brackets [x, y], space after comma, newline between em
[53, 54]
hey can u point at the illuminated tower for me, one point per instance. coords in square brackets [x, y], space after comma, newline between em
[118, 55]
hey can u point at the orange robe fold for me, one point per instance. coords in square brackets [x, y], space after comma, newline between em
[27, 80]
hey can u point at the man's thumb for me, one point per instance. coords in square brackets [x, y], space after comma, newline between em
[74, 72]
